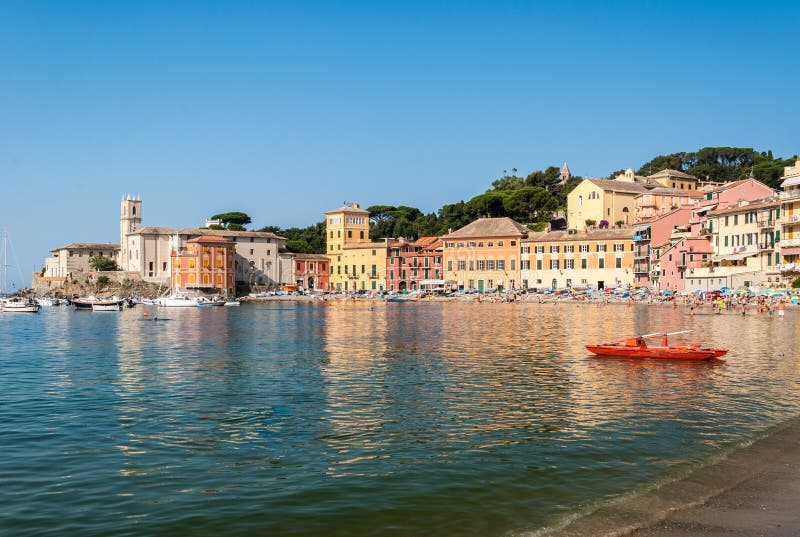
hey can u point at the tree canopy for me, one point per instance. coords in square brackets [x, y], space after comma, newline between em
[722, 164]
[101, 263]
[535, 198]
[235, 220]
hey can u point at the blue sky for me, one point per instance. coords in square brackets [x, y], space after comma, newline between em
[285, 110]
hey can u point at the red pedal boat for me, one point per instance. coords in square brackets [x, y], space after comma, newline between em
[636, 347]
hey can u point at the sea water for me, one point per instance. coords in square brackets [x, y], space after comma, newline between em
[366, 418]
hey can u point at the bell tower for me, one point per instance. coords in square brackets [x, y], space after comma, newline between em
[130, 220]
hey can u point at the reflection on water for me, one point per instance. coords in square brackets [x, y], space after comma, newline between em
[363, 418]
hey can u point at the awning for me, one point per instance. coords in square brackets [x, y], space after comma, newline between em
[791, 181]
[732, 257]
[790, 251]
[706, 208]
[641, 227]
[432, 282]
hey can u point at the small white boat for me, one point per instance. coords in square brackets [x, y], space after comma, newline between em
[91, 302]
[18, 305]
[232, 303]
[47, 301]
[177, 300]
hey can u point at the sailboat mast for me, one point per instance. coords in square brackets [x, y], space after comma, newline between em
[5, 262]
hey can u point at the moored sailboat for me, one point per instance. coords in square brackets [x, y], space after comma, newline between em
[15, 304]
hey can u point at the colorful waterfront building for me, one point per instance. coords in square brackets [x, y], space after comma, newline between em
[412, 265]
[680, 258]
[612, 200]
[206, 264]
[311, 271]
[674, 179]
[596, 258]
[649, 237]
[660, 200]
[356, 263]
[484, 255]
[790, 224]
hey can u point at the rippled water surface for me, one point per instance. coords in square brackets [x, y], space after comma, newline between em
[446, 419]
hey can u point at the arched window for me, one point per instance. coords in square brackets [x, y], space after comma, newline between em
[580, 201]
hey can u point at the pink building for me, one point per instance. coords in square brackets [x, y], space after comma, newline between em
[681, 258]
[651, 235]
[749, 189]
[414, 265]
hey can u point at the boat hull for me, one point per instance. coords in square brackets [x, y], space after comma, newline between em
[106, 307]
[681, 352]
[20, 307]
[97, 304]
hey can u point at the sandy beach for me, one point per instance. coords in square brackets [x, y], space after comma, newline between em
[766, 502]
[753, 491]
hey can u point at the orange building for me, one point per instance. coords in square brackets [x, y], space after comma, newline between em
[206, 264]
[484, 255]
[311, 271]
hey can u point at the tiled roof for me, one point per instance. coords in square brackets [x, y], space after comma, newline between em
[153, 230]
[618, 186]
[672, 173]
[490, 227]
[211, 238]
[663, 190]
[425, 241]
[590, 235]
[762, 204]
[88, 246]
[311, 257]
[228, 233]
[348, 209]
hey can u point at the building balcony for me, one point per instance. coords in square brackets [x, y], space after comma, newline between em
[788, 243]
[641, 270]
[789, 220]
[790, 194]
[372, 276]
[766, 224]
[764, 246]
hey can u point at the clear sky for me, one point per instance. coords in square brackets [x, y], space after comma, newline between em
[285, 110]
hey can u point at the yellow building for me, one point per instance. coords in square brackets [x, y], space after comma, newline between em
[674, 179]
[612, 200]
[790, 223]
[615, 200]
[357, 264]
[484, 255]
[596, 258]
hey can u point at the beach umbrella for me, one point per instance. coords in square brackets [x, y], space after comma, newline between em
[794, 299]
[666, 292]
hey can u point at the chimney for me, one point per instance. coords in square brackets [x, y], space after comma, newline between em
[355, 205]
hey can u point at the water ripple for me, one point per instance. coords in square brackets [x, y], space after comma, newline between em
[362, 419]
